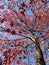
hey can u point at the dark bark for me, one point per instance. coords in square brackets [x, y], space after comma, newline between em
[0, 62]
[40, 57]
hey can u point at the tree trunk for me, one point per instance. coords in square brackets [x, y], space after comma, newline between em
[0, 62]
[40, 58]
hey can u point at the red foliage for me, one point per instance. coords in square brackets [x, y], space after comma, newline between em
[18, 25]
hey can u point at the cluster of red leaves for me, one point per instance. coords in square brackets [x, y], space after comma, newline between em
[10, 17]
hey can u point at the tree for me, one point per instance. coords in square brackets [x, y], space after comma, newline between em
[25, 23]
